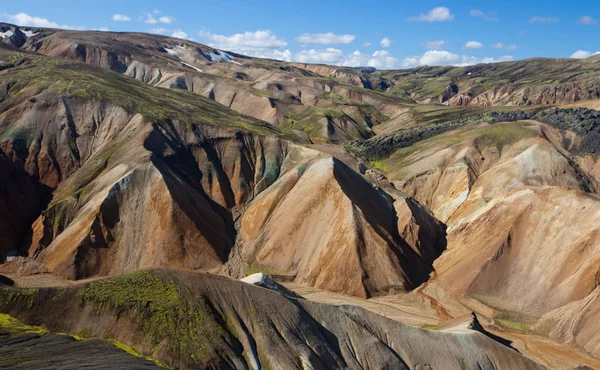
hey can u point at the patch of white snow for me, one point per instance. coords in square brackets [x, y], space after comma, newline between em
[8, 33]
[219, 56]
[191, 66]
[29, 33]
[11, 256]
[171, 51]
[254, 279]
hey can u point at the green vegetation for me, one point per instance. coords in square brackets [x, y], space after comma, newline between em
[11, 325]
[163, 311]
[512, 325]
[132, 351]
[506, 317]
[255, 268]
[382, 146]
[429, 87]
[27, 296]
[501, 134]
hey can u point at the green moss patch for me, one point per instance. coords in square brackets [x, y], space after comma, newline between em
[12, 326]
[164, 311]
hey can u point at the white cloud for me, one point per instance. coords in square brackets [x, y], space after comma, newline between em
[500, 45]
[103, 29]
[151, 19]
[24, 19]
[586, 19]
[537, 19]
[260, 39]
[120, 18]
[439, 14]
[442, 57]
[366, 44]
[179, 34]
[284, 55]
[473, 45]
[582, 54]
[260, 43]
[488, 17]
[327, 56]
[385, 42]
[324, 38]
[434, 44]
[265, 44]
[382, 59]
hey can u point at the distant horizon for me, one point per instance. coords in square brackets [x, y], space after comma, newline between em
[390, 36]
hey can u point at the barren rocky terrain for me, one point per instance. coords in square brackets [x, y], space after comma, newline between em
[417, 219]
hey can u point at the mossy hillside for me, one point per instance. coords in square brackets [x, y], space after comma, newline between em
[310, 120]
[255, 268]
[25, 297]
[11, 326]
[132, 351]
[381, 147]
[164, 311]
[512, 325]
[431, 87]
[497, 135]
[167, 314]
[506, 317]
[63, 78]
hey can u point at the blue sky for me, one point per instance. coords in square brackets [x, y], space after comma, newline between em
[382, 34]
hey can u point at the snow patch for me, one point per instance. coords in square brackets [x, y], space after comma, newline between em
[254, 279]
[11, 256]
[29, 33]
[191, 66]
[219, 56]
[180, 47]
[171, 52]
[6, 34]
[174, 53]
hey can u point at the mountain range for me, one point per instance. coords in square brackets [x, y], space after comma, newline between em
[429, 218]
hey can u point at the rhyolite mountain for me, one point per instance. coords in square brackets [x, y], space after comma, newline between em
[435, 191]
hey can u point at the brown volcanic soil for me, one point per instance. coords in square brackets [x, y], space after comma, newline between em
[522, 235]
[136, 185]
